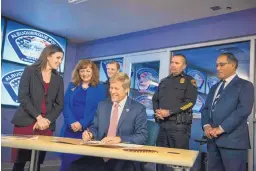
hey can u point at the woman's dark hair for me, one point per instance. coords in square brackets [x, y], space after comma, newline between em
[48, 50]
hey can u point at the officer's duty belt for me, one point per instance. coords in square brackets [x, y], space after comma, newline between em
[172, 118]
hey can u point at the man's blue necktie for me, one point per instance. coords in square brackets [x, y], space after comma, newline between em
[219, 94]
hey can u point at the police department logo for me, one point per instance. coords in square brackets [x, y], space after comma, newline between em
[212, 81]
[198, 76]
[145, 100]
[147, 80]
[105, 63]
[11, 82]
[28, 43]
[199, 103]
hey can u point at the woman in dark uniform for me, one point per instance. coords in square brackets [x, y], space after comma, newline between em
[41, 97]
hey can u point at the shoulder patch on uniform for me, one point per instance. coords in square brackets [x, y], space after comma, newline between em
[185, 107]
[193, 82]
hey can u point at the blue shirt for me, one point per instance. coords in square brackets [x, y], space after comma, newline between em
[79, 103]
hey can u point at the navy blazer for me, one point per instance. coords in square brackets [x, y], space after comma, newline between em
[132, 125]
[231, 113]
[93, 96]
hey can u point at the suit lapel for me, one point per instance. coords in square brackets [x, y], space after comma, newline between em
[213, 93]
[228, 87]
[52, 83]
[72, 94]
[124, 112]
[40, 77]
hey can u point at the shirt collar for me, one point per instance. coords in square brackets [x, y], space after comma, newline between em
[122, 102]
[180, 74]
[229, 79]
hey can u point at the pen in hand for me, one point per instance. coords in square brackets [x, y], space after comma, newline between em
[87, 135]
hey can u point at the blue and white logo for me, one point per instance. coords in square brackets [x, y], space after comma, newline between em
[147, 80]
[145, 100]
[11, 82]
[212, 81]
[199, 103]
[198, 76]
[28, 43]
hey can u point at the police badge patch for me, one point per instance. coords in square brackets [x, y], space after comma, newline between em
[182, 80]
[198, 76]
[11, 82]
[193, 82]
[29, 43]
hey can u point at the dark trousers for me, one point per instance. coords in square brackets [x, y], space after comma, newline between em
[21, 166]
[225, 159]
[89, 163]
[174, 136]
[23, 156]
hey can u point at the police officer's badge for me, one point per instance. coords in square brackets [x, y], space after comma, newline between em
[11, 82]
[182, 80]
[193, 82]
[198, 76]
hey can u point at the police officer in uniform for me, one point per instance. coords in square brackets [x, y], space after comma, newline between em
[173, 103]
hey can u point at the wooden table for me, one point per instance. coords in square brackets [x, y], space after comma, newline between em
[176, 158]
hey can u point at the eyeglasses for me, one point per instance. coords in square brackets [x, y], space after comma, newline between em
[221, 64]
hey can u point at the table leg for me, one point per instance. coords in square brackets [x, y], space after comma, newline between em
[34, 160]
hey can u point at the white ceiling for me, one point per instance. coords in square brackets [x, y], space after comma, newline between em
[97, 19]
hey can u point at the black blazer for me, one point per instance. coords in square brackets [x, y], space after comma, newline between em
[31, 94]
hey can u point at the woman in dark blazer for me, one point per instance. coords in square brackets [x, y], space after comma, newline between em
[81, 100]
[41, 97]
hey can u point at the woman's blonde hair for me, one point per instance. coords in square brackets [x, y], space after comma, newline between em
[83, 64]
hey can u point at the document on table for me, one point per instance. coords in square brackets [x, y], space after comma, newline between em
[119, 145]
[18, 137]
[93, 143]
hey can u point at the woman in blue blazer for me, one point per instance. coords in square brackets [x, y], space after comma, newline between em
[80, 104]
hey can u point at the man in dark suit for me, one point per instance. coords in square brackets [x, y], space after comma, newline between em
[224, 117]
[119, 119]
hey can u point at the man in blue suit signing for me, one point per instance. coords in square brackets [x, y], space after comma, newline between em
[224, 117]
[119, 119]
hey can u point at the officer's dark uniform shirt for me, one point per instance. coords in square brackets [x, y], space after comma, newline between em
[176, 93]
